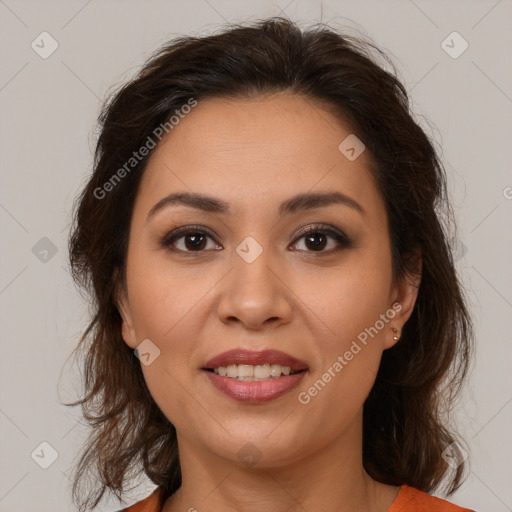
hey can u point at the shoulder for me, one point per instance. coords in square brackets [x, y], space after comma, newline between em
[153, 503]
[410, 499]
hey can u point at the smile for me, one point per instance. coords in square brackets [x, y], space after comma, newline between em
[249, 372]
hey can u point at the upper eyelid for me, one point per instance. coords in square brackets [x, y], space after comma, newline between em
[183, 230]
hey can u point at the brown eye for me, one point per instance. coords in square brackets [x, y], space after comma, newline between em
[316, 238]
[319, 239]
[188, 239]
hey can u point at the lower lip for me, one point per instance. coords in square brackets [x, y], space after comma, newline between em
[254, 392]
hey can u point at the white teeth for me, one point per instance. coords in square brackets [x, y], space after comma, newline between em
[275, 370]
[251, 372]
[262, 371]
[245, 370]
[232, 370]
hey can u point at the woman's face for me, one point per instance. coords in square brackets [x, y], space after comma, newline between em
[247, 277]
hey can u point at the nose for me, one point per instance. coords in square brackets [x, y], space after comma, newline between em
[255, 294]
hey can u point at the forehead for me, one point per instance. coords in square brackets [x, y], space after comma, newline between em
[259, 150]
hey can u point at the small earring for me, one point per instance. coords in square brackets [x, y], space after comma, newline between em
[395, 331]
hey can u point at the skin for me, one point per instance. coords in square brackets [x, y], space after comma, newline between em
[254, 154]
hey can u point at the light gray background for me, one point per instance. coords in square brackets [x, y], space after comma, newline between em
[48, 109]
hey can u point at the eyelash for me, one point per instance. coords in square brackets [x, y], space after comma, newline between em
[340, 237]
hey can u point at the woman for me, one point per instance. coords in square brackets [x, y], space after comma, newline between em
[278, 321]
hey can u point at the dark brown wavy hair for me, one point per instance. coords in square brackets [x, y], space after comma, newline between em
[405, 428]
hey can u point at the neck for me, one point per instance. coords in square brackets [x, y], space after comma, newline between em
[332, 478]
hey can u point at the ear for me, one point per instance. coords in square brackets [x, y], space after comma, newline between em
[123, 306]
[403, 298]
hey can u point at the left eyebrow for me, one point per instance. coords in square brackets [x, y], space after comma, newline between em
[311, 200]
[299, 202]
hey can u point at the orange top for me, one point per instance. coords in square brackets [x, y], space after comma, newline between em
[409, 499]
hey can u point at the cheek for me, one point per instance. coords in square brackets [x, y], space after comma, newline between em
[347, 300]
[165, 314]
[169, 388]
[350, 322]
[163, 295]
[348, 356]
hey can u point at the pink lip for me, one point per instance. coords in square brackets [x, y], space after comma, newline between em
[241, 356]
[254, 391]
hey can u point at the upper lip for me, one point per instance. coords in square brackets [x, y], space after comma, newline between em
[242, 356]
